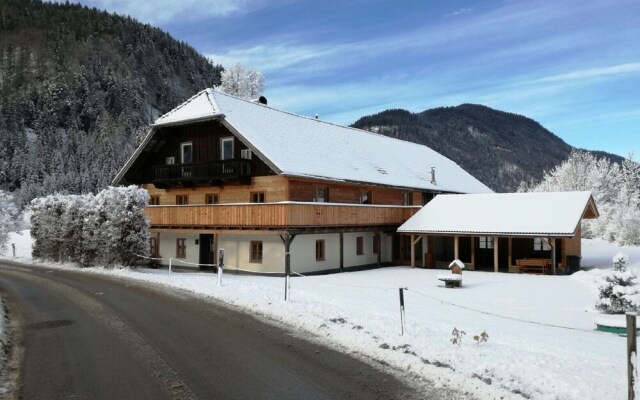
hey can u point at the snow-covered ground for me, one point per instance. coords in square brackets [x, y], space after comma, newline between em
[542, 340]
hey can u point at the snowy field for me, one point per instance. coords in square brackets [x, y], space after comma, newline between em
[542, 341]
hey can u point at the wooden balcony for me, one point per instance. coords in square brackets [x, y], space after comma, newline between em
[210, 172]
[278, 216]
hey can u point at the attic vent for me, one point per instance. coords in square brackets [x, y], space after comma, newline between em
[433, 175]
[261, 100]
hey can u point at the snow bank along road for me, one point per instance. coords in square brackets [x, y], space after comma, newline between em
[104, 338]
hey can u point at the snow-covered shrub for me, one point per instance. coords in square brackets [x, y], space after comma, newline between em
[106, 229]
[621, 291]
[615, 188]
[8, 218]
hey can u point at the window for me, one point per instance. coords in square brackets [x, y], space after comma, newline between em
[359, 245]
[170, 160]
[407, 198]
[186, 152]
[257, 197]
[182, 199]
[320, 194]
[154, 200]
[320, 250]
[212, 198]
[540, 244]
[365, 197]
[256, 251]
[226, 148]
[153, 247]
[245, 154]
[376, 244]
[181, 248]
[486, 242]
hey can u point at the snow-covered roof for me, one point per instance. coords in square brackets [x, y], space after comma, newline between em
[509, 214]
[300, 146]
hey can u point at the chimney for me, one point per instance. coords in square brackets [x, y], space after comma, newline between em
[433, 175]
[317, 116]
[260, 100]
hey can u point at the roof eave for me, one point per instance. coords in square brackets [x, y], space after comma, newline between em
[189, 121]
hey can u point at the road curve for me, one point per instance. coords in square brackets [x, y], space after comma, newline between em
[95, 337]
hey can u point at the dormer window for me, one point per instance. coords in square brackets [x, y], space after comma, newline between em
[186, 152]
[226, 148]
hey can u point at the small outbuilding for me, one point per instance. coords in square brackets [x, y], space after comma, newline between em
[508, 232]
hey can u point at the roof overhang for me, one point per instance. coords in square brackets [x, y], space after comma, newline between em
[505, 215]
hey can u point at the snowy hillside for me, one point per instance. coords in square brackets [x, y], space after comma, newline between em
[542, 341]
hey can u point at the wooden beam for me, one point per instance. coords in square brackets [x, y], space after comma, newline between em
[553, 255]
[456, 248]
[413, 252]
[425, 248]
[473, 251]
[378, 238]
[341, 251]
[495, 254]
[510, 253]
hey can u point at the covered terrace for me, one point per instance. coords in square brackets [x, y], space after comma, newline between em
[503, 232]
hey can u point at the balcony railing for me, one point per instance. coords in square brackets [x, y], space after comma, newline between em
[285, 215]
[215, 171]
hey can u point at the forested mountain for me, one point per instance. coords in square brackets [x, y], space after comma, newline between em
[500, 149]
[78, 86]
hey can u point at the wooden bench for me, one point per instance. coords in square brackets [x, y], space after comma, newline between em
[534, 265]
[451, 281]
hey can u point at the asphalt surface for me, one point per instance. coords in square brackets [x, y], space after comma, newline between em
[92, 337]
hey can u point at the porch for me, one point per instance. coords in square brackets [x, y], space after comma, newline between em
[508, 232]
[499, 254]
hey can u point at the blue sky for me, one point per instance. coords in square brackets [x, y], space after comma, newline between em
[574, 66]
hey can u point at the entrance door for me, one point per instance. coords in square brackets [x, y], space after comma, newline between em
[207, 250]
[484, 253]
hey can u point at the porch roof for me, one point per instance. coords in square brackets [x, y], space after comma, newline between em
[555, 214]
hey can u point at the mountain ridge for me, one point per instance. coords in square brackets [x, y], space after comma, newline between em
[499, 148]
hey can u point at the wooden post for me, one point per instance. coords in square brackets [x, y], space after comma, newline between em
[552, 242]
[286, 240]
[341, 251]
[631, 355]
[413, 252]
[379, 240]
[425, 249]
[510, 253]
[473, 252]
[495, 254]
[456, 248]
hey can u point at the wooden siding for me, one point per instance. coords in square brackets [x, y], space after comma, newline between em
[303, 190]
[276, 216]
[273, 186]
[205, 137]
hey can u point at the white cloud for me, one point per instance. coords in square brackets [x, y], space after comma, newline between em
[614, 70]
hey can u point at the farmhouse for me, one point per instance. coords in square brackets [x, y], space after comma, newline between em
[279, 191]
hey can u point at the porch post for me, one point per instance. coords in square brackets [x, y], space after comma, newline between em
[456, 248]
[286, 240]
[413, 252]
[552, 242]
[425, 248]
[379, 240]
[510, 253]
[473, 251]
[495, 254]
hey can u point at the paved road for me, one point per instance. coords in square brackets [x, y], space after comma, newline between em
[93, 337]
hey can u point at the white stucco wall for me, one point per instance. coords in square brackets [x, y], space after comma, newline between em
[303, 251]
[167, 248]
